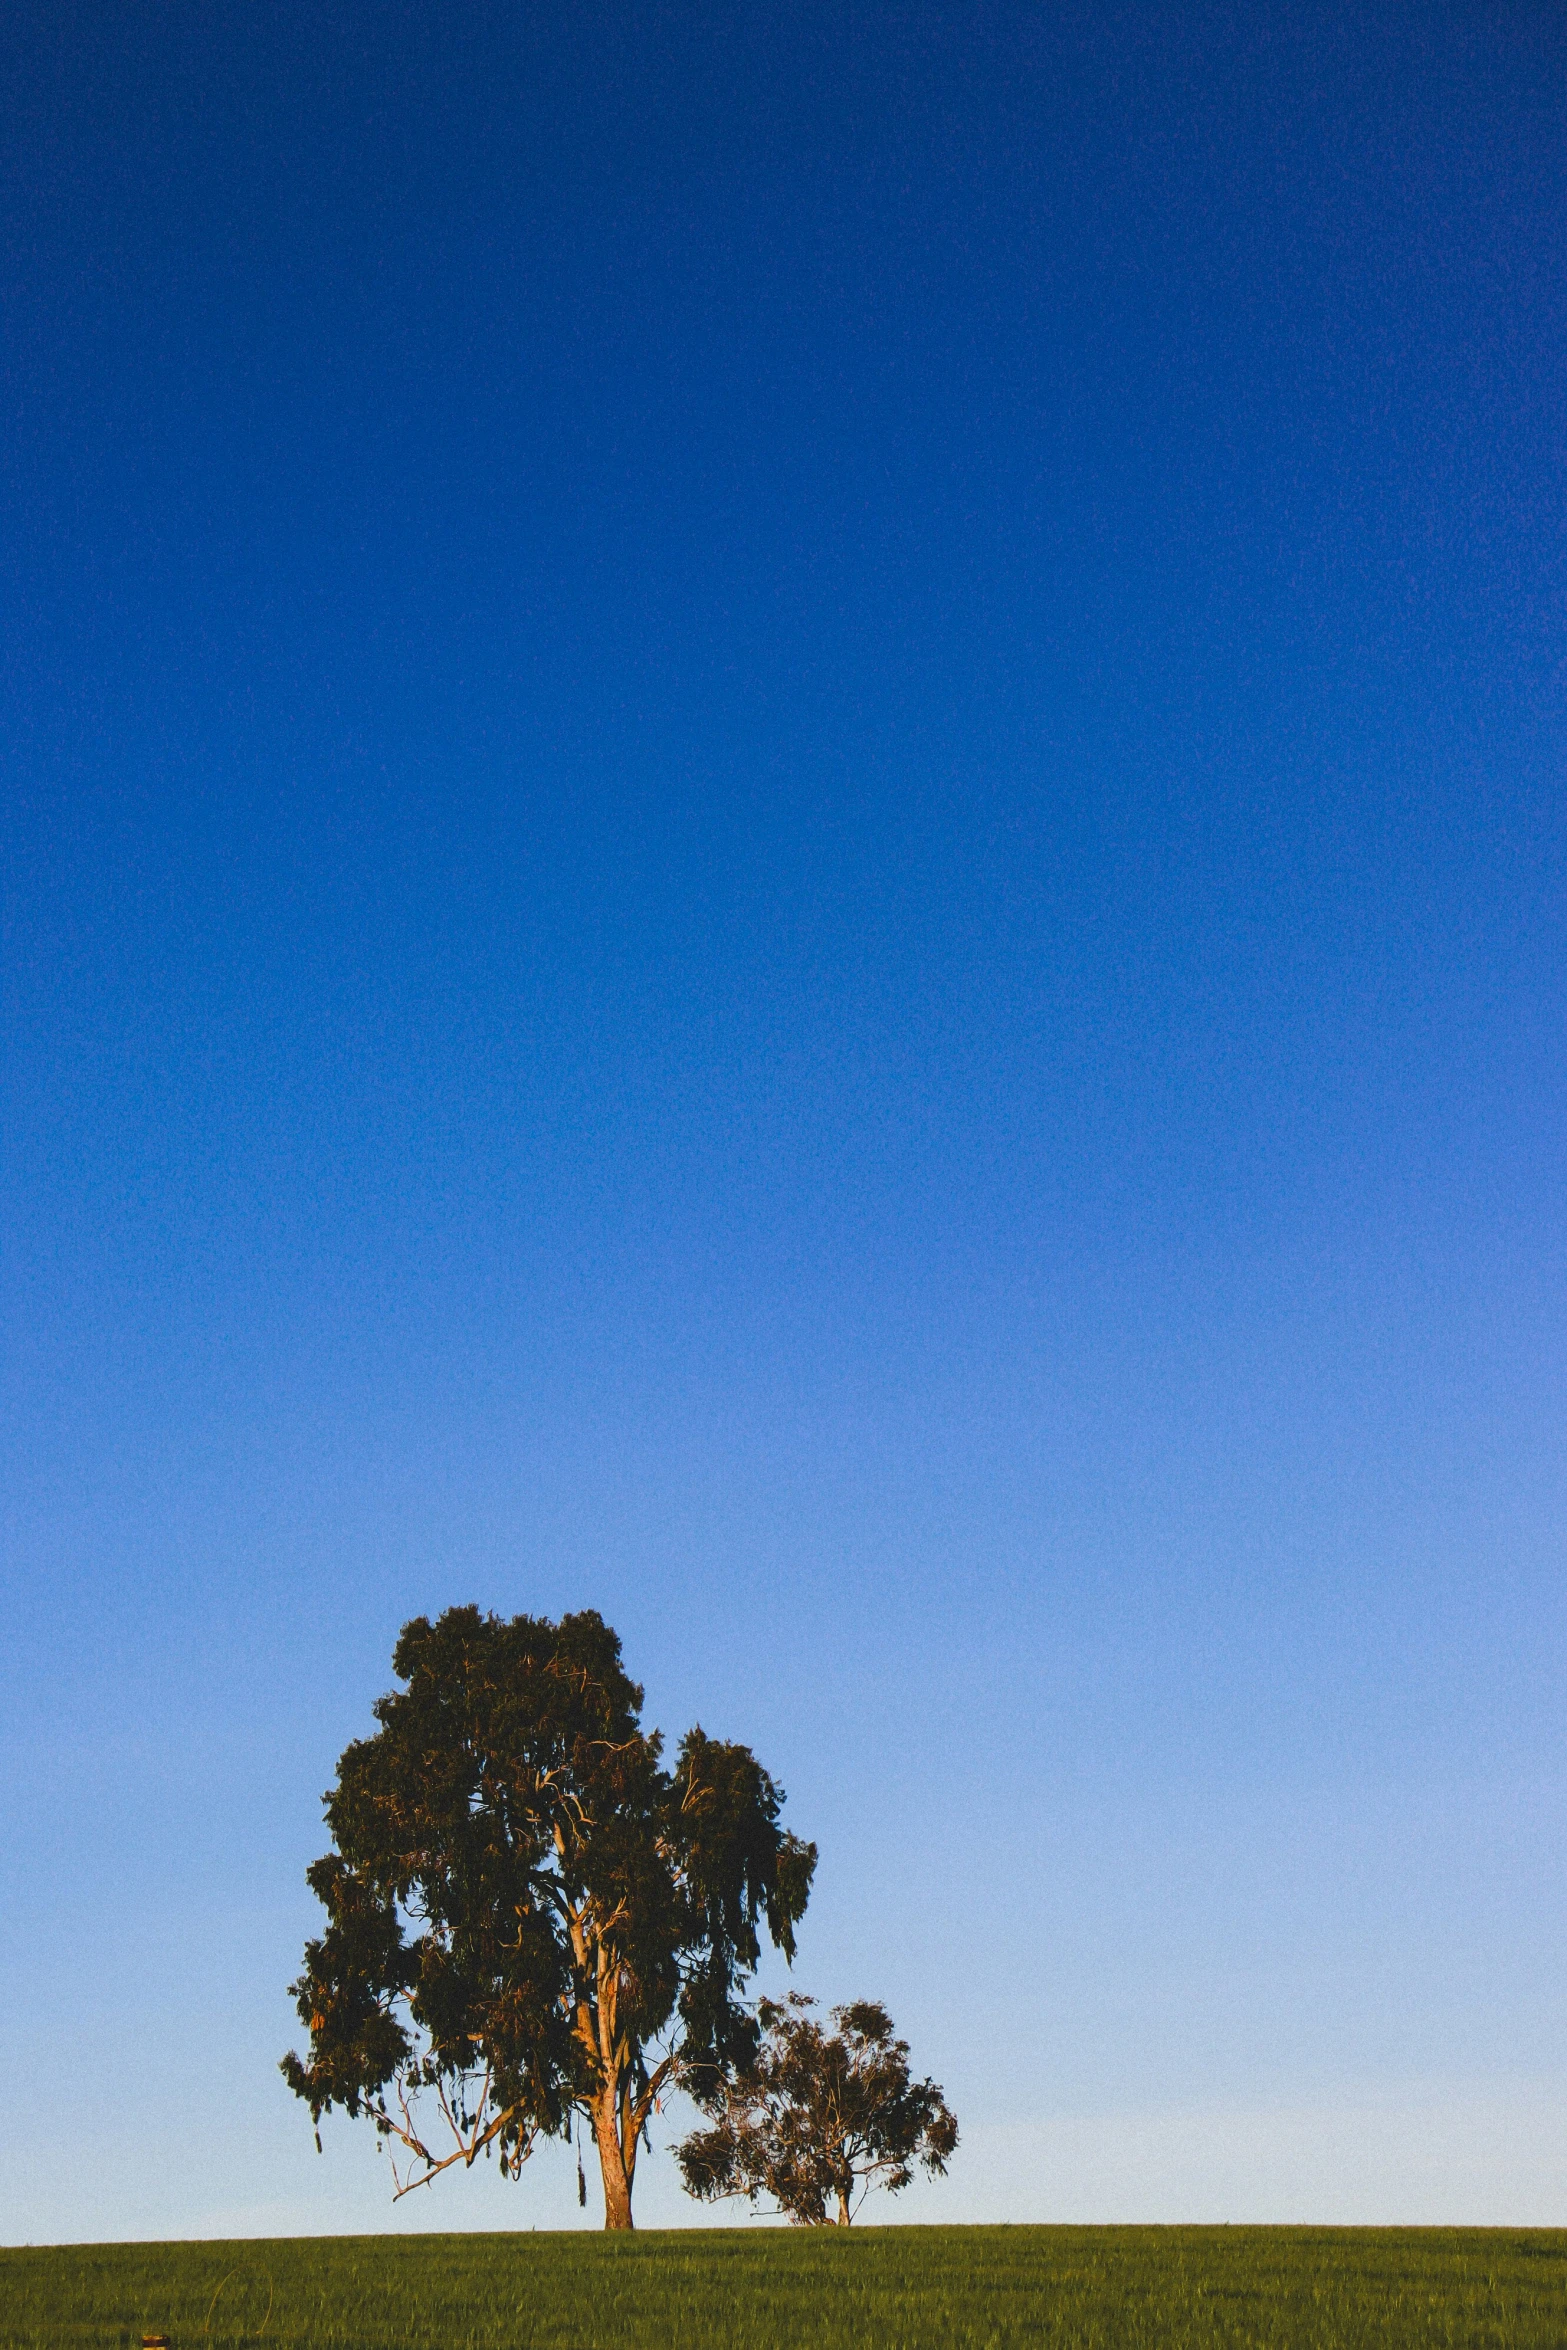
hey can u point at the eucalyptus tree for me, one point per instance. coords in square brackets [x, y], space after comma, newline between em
[530, 1916]
[816, 2118]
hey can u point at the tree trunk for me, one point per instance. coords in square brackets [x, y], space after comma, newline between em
[843, 2207]
[617, 2182]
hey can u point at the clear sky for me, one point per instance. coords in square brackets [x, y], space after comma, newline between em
[784, 849]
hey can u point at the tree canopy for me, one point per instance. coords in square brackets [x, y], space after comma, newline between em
[529, 1915]
[816, 2118]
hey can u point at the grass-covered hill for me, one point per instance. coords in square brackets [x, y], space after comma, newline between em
[894, 2288]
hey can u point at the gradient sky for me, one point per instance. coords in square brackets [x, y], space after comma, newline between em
[784, 849]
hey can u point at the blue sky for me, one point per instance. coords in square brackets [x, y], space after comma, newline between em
[783, 849]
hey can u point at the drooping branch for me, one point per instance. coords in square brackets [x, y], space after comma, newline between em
[472, 2132]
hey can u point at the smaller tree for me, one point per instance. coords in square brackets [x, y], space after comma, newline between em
[818, 2118]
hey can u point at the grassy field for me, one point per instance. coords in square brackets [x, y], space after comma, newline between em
[897, 2288]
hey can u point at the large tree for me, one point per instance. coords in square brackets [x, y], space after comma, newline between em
[530, 1917]
[816, 2118]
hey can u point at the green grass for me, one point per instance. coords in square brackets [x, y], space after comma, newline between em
[896, 2288]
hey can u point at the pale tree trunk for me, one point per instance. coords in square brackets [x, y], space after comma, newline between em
[612, 2162]
[843, 2207]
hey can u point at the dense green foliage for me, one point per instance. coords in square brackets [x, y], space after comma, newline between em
[895, 2288]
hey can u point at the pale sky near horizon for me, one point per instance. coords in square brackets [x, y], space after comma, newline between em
[783, 848]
